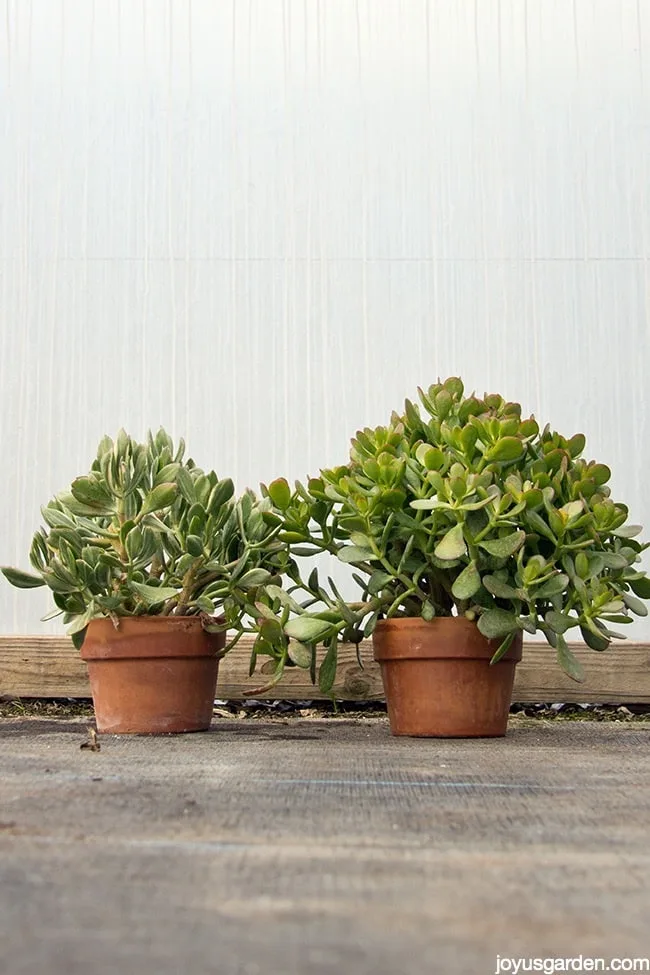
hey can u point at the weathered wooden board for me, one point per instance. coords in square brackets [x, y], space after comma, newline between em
[50, 667]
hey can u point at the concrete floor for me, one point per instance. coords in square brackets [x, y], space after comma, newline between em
[298, 847]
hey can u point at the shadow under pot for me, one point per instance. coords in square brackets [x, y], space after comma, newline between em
[152, 674]
[438, 680]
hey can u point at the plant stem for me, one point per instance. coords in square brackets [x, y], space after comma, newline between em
[186, 592]
[404, 579]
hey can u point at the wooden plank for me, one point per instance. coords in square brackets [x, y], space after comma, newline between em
[50, 667]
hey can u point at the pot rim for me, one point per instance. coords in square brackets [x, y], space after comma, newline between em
[442, 638]
[150, 636]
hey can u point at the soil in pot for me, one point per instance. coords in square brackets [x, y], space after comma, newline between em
[438, 680]
[152, 674]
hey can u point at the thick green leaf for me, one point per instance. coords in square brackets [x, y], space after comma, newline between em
[180, 450]
[412, 413]
[641, 587]
[550, 634]
[502, 548]
[159, 497]
[78, 508]
[613, 606]
[203, 488]
[371, 623]
[576, 444]
[572, 510]
[132, 540]
[185, 484]
[600, 473]
[81, 621]
[280, 493]
[153, 595]
[378, 581]
[79, 637]
[539, 526]
[333, 494]
[528, 623]
[55, 518]
[568, 662]
[499, 589]
[494, 623]
[277, 592]
[214, 627]
[90, 492]
[221, 493]
[433, 478]
[393, 499]
[455, 386]
[533, 498]
[594, 638]
[194, 546]
[505, 449]
[293, 537]
[306, 629]
[467, 583]
[452, 546]
[430, 457]
[197, 517]
[166, 474]
[637, 606]
[58, 585]
[123, 440]
[425, 504]
[259, 644]
[254, 577]
[468, 437]
[20, 579]
[354, 553]
[628, 531]
[158, 526]
[503, 649]
[477, 505]
[443, 403]
[552, 587]
[613, 560]
[300, 654]
[560, 622]
[327, 670]
[360, 539]
[125, 528]
[266, 612]
[428, 610]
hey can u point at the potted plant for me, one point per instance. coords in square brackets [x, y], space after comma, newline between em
[466, 526]
[150, 561]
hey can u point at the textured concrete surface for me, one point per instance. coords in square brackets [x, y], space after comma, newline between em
[320, 847]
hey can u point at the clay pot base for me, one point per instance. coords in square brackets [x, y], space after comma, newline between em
[153, 674]
[438, 680]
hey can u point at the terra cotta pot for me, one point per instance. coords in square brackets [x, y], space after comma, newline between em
[438, 680]
[152, 674]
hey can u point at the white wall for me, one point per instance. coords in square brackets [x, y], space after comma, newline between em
[262, 223]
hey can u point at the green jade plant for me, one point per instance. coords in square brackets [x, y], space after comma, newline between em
[461, 508]
[146, 533]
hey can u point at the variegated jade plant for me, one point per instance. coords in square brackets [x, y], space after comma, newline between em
[460, 506]
[146, 533]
